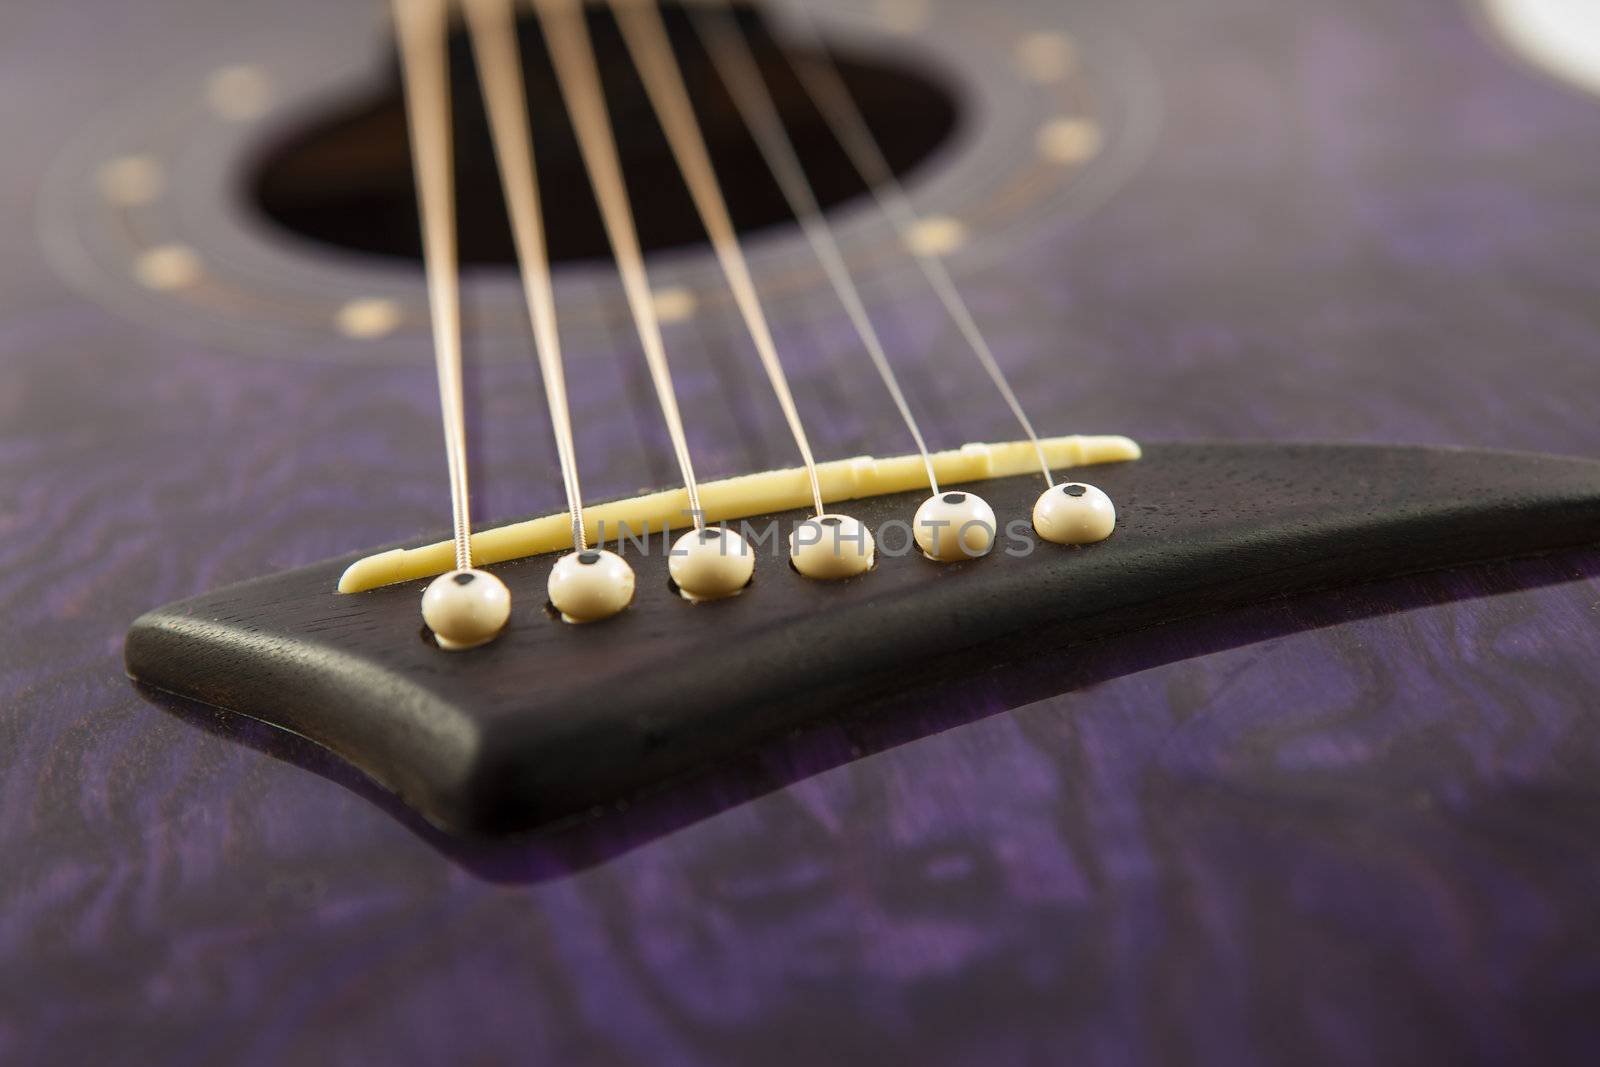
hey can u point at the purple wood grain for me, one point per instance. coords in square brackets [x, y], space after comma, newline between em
[1357, 828]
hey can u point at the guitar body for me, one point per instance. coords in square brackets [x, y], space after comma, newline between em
[1358, 824]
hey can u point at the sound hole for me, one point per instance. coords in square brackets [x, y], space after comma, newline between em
[345, 178]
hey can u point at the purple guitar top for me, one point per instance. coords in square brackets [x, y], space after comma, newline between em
[1358, 826]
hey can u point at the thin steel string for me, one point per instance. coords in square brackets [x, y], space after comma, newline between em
[647, 42]
[420, 29]
[826, 87]
[492, 28]
[735, 63]
[577, 72]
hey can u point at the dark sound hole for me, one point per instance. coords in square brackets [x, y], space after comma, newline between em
[346, 180]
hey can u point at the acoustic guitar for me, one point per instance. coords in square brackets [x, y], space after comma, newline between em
[1022, 532]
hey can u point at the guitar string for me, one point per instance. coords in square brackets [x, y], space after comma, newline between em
[645, 36]
[577, 72]
[825, 85]
[735, 63]
[420, 27]
[491, 27]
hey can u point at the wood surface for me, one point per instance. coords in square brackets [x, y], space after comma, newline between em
[1355, 827]
[551, 721]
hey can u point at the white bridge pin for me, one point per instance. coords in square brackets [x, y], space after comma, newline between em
[590, 585]
[711, 563]
[954, 526]
[1074, 514]
[832, 546]
[465, 608]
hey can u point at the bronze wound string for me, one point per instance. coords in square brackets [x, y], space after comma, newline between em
[647, 42]
[420, 29]
[736, 65]
[577, 73]
[492, 28]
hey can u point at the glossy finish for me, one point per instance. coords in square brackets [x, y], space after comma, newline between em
[555, 720]
[1359, 827]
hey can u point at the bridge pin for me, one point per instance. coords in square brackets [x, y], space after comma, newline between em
[711, 563]
[954, 526]
[590, 585]
[465, 609]
[1074, 514]
[832, 546]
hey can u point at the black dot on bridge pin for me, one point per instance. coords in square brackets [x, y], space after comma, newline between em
[465, 579]
[588, 558]
[954, 498]
[831, 520]
[711, 533]
[1073, 490]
